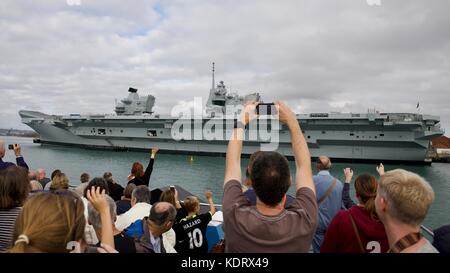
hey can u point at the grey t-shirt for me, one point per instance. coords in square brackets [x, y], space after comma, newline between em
[249, 231]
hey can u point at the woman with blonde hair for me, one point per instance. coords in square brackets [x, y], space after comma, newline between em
[36, 186]
[54, 222]
[60, 182]
[48, 223]
[358, 229]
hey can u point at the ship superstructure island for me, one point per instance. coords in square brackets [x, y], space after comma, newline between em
[351, 137]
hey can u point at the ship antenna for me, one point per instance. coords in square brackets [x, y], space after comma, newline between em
[213, 82]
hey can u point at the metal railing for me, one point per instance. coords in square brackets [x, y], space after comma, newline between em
[207, 204]
[427, 230]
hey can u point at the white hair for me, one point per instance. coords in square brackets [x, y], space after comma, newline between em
[94, 215]
[36, 186]
[40, 173]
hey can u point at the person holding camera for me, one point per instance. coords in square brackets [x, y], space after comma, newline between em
[19, 158]
[268, 226]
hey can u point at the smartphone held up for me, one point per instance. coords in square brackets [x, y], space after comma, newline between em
[266, 109]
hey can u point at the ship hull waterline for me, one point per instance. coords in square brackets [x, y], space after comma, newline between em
[373, 155]
[408, 151]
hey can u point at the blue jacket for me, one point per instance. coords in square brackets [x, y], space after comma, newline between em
[135, 230]
[20, 162]
[329, 207]
[141, 234]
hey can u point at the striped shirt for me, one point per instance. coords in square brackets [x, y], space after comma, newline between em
[7, 222]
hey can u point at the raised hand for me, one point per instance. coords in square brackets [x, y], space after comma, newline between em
[208, 195]
[154, 151]
[285, 114]
[98, 199]
[249, 112]
[17, 150]
[175, 194]
[380, 169]
[348, 175]
[99, 202]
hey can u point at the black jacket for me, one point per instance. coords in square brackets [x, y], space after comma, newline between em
[145, 179]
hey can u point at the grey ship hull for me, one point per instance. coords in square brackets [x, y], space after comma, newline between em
[343, 137]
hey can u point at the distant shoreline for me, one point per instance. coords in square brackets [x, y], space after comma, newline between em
[18, 133]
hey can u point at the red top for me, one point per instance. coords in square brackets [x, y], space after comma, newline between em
[341, 237]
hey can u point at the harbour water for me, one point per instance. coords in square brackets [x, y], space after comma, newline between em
[198, 173]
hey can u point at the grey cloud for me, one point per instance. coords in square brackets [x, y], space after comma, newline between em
[319, 56]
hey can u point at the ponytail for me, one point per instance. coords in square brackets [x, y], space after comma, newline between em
[20, 244]
[366, 188]
[369, 206]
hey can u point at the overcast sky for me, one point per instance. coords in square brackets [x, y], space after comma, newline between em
[317, 55]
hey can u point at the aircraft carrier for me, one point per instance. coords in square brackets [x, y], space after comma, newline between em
[350, 137]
